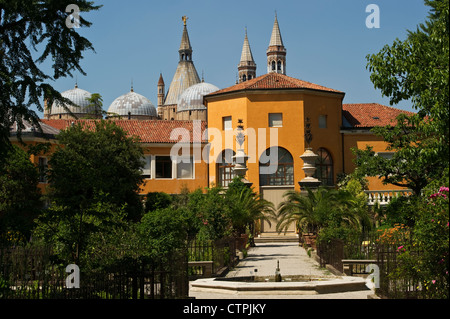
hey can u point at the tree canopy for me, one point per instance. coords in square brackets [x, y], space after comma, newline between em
[31, 33]
[415, 69]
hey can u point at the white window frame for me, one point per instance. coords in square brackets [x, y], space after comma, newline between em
[272, 121]
[173, 167]
[150, 169]
[225, 120]
[192, 162]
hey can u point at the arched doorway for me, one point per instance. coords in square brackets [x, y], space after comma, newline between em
[276, 176]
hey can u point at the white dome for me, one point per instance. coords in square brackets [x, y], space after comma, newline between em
[132, 104]
[77, 96]
[192, 97]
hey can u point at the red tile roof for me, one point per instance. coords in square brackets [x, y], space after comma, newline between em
[149, 131]
[273, 81]
[370, 114]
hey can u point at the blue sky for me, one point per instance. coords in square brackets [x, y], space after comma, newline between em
[326, 41]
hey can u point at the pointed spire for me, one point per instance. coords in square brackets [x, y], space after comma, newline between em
[246, 55]
[276, 39]
[276, 52]
[161, 80]
[247, 65]
[185, 43]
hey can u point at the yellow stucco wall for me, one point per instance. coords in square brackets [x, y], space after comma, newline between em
[254, 108]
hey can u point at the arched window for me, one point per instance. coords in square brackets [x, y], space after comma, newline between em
[273, 65]
[324, 167]
[225, 165]
[279, 65]
[244, 78]
[276, 167]
[249, 77]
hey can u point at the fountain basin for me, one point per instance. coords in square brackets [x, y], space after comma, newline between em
[293, 285]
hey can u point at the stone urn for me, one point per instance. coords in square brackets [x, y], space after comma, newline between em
[309, 159]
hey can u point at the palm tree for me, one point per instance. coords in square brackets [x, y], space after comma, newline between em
[316, 210]
[255, 208]
[247, 207]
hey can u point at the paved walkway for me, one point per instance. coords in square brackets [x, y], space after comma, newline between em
[262, 261]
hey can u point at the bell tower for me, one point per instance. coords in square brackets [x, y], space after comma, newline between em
[247, 65]
[276, 52]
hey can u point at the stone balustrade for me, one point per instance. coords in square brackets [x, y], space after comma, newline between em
[383, 197]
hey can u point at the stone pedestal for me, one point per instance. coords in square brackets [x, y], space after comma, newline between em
[240, 166]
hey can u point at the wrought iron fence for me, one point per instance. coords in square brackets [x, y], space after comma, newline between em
[393, 283]
[221, 252]
[358, 254]
[34, 273]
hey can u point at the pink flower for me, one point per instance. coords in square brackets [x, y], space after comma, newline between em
[400, 247]
[433, 281]
[443, 189]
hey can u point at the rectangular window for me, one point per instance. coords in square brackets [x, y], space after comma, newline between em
[163, 167]
[385, 155]
[227, 125]
[43, 170]
[146, 171]
[185, 168]
[322, 121]
[275, 119]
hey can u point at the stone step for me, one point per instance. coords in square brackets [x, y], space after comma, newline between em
[275, 237]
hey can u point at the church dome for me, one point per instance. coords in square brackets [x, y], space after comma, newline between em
[133, 104]
[78, 97]
[192, 97]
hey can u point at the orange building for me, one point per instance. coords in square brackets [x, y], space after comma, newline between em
[282, 117]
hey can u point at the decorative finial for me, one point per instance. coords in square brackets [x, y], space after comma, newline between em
[132, 90]
[308, 134]
[76, 81]
[184, 18]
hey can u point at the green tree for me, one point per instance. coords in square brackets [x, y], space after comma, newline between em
[165, 231]
[95, 106]
[95, 161]
[157, 200]
[94, 179]
[415, 69]
[209, 213]
[245, 208]
[316, 210]
[27, 27]
[19, 195]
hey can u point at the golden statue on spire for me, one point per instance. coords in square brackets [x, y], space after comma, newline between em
[184, 18]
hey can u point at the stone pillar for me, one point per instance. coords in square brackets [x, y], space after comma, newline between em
[240, 159]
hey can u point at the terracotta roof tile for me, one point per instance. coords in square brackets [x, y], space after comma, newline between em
[150, 131]
[370, 114]
[274, 81]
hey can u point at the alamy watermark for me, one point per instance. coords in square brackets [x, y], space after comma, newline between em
[373, 19]
[73, 19]
[373, 279]
[73, 279]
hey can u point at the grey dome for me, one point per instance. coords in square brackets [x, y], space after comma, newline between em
[78, 97]
[133, 103]
[192, 97]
